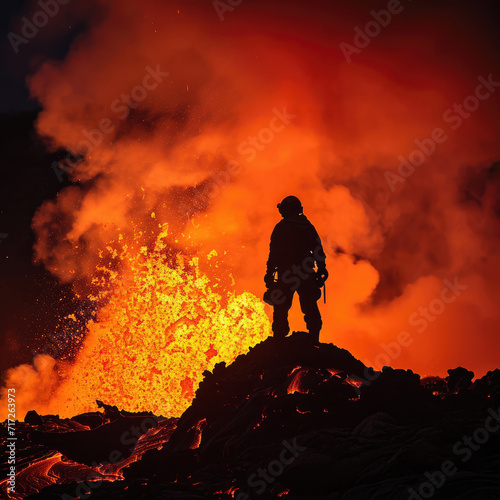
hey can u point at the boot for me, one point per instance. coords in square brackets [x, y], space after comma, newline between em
[314, 334]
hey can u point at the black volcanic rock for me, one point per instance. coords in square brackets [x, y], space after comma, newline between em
[395, 392]
[307, 422]
[107, 443]
[33, 418]
[488, 386]
[459, 379]
[254, 388]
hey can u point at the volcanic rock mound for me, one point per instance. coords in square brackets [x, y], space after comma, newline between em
[304, 422]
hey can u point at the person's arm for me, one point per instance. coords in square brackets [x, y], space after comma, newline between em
[320, 258]
[272, 261]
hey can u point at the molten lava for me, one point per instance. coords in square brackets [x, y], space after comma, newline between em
[164, 323]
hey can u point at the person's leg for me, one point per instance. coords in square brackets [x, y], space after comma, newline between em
[309, 294]
[280, 314]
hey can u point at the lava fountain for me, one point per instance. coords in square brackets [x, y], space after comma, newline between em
[165, 321]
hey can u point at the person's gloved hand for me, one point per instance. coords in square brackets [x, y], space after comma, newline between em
[267, 298]
[321, 277]
[269, 280]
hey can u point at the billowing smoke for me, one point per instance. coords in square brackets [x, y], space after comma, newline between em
[207, 124]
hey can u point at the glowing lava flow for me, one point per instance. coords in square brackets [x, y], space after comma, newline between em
[295, 384]
[165, 322]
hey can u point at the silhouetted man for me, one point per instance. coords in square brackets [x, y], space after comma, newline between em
[295, 251]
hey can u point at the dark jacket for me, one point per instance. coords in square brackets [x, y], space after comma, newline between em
[293, 241]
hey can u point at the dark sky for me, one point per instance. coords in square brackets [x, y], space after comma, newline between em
[13, 93]
[15, 67]
[28, 294]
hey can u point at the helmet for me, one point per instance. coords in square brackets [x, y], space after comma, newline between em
[290, 206]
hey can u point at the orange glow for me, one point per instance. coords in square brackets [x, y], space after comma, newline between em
[199, 429]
